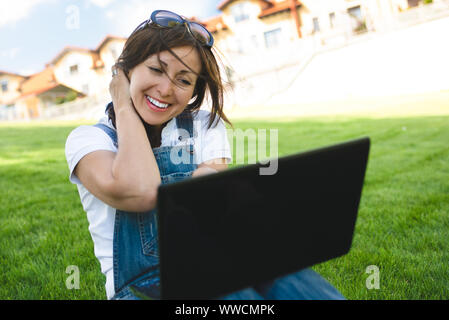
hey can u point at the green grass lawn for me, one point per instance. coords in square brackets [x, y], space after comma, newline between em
[402, 227]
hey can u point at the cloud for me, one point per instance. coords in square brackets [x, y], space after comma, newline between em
[14, 11]
[126, 16]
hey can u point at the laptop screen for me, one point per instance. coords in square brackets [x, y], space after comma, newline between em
[224, 232]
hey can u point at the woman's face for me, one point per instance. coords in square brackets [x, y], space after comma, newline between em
[156, 98]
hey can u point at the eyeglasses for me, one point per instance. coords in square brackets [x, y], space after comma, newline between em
[168, 19]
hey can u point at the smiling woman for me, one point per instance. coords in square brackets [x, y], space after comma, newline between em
[159, 83]
[161, 96]
[158, 87]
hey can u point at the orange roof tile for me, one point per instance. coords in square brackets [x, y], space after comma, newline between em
[39, 82]
[12, 74]
[96, 60]
[64, 51]
[215, 24]
[279, 7]
[225, 3]
[106, 39]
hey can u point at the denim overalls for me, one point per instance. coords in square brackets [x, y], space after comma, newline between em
[135, 242]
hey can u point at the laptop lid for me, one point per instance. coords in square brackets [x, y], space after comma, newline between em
[227, 231]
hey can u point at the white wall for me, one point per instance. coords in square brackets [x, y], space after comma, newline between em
[413, 60]
[85, 74]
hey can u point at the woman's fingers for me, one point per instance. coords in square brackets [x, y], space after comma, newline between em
[117, 72]
[119, 86]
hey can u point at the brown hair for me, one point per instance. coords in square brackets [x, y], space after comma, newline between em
[149, 39]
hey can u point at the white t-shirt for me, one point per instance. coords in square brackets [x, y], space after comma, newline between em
[209, 144]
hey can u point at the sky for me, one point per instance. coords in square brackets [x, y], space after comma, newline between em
[33, 32]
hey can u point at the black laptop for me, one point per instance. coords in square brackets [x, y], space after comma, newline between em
[228, 231]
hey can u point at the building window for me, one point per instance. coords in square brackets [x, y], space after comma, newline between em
[356, 13]
[273, 38]
[332, 19]
[85, 89]
[4, 85]
[253, 41]
[316, 25]
[240, 12]
[357, 20]
[74, 69]
[239, 45]
[413, 3]
[114, 54]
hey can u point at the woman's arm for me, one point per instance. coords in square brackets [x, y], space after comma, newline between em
[211, 166]
[126, 180]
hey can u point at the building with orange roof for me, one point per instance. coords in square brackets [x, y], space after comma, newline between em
[245, 25]
[78, 68]
[73, 72]
[299, 18]
[40, 90]
[250, 26]
[255, 37]
[10, 87]
[109, 49]
[260, 40]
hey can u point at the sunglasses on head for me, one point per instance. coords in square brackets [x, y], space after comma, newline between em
[168, 19]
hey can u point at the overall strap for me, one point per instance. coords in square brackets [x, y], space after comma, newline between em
[135, 242]
[185, 121]
[109, 131]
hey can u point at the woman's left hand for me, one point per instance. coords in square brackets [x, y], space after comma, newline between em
[211, 166]
[200, 171]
